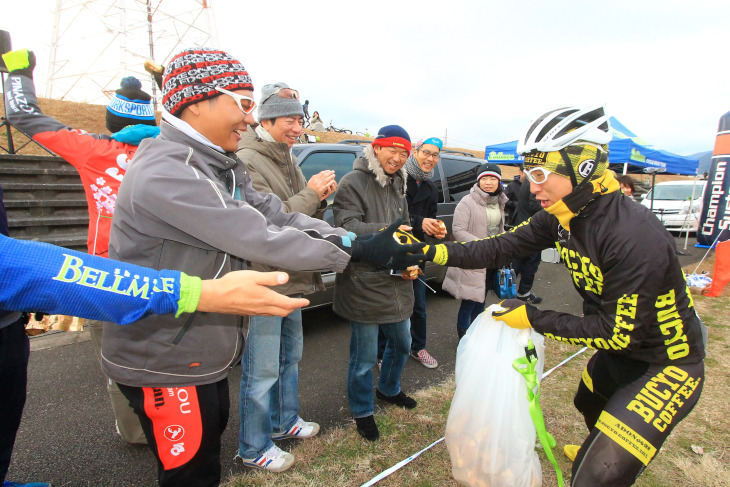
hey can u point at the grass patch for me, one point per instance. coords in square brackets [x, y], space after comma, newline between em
[341, 458]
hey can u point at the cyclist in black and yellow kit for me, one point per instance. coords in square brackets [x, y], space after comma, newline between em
[648, 371]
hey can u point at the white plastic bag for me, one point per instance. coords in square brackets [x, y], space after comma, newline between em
[489, 433]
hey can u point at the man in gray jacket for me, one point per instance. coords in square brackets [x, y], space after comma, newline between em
[187, 204]
[269, 405]
[371, 197]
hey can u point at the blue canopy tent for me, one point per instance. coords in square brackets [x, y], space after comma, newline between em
[624, 148]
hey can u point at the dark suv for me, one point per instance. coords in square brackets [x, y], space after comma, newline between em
[454, 176]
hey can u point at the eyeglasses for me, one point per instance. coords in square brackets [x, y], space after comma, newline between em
[538, 175]
[428, 154]
[283, 93]
[241, 101]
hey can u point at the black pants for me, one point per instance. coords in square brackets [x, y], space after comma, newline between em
[630, 409]
[14, 355]
[183, 426]
[526, 269]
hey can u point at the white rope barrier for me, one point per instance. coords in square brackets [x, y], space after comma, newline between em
[564, 362]
[402, 463]
[398, 465]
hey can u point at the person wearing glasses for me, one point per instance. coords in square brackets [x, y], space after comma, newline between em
[648, 370]
[42, 277]
[187, 203]
[269, 405]
[371, 297]
[422, 199]
[101, 161]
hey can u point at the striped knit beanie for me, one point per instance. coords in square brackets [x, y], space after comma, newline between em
[193, 74]
[129, 106]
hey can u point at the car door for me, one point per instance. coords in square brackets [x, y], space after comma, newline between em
[315, 161]
[311, 162]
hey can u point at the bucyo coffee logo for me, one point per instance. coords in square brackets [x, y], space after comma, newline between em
[174, 432]
[585, 168]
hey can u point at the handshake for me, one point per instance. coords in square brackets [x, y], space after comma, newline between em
[390, 247]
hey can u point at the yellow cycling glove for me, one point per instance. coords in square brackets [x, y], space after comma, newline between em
[517, 313]
[21, 61]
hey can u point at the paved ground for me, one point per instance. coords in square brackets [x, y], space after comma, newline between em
[67, 435]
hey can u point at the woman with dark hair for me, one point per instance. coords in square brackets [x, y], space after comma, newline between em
[627, 185]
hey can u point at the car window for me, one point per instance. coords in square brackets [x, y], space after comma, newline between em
[340, 162]
[460, 176]
[675, 192]
[437, 180]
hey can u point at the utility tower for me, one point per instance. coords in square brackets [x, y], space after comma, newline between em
[95, 43]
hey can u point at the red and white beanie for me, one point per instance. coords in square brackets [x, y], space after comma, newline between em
[393, 136]
[193, 74]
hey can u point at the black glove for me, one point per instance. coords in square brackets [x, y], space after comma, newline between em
[517, 313]
[382, 249]
[21, 61]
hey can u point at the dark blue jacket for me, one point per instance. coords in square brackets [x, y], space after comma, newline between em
[422, 203]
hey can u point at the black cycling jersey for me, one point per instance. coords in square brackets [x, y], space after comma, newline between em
[648, 372]
[636, 302]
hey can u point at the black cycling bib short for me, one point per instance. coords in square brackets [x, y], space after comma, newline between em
[630, 408]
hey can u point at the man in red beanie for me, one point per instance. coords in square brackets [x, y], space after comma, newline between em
[369, 198]
[188, 204]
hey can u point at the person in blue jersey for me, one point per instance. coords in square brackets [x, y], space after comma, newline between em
[40, 277]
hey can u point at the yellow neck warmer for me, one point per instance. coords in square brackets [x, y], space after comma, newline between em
[565, 209]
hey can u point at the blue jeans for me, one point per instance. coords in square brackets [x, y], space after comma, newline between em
[468, 312]
[363, 354]
[269, 380]
[418, 321]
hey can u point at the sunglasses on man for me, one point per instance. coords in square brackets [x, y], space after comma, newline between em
[245, 103]
[283, 93]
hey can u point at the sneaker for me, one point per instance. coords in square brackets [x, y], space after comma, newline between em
[530, 298]
[301, 429]
[274, 460]
[399, 399]
[571, 451]
[367, 428]
[425, 358]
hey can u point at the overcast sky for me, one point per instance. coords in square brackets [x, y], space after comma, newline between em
[474, 71]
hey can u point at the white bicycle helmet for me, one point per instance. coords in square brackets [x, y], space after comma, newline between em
[559, 128]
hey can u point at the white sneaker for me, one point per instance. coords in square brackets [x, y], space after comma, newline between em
[301, 429]
[274, 460]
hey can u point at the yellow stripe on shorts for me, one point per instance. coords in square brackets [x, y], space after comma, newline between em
[587, 379]
[629, 439]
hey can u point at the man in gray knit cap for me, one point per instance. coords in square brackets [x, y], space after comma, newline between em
[270, 364]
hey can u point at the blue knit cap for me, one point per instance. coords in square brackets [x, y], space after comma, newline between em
[432, 141]
[129, 106]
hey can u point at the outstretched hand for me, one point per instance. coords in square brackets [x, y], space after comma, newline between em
[382, 249]
[247, 293]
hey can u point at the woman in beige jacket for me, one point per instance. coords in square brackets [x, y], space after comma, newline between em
[480, 214]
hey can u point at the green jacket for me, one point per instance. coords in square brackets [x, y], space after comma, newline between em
[273, 169]
[367, 200]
